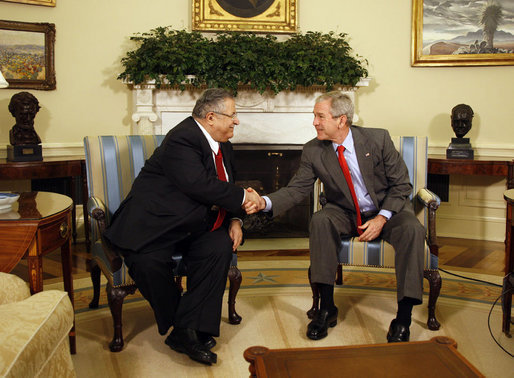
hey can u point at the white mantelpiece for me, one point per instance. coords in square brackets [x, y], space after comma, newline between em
[267, 118]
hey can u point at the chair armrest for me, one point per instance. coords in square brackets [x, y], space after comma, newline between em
[96, 210]
[12, 288]
[94, 203]
[428, 198]
[431, 201]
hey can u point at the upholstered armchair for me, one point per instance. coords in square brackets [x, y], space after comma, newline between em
[112, 164]
[378, 253]
[34, 331]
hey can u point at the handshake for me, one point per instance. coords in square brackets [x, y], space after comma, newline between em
[253, 202]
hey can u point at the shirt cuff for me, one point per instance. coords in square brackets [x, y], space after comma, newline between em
[239, 219]
[386, 213]
[269, 205]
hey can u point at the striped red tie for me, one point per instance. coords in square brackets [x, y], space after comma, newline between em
[348, 177]
[221, 175]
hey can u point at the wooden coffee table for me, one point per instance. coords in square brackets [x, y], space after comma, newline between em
[437, 357]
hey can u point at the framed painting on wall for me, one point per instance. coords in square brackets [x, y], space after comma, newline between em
[27, 54]
[48, 3]
[462, 33]
[265, 16]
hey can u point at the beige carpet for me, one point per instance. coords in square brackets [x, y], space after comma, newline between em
[273, 314]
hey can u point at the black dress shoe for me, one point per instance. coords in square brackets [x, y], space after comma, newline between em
[185, 340]
[318, 327]
[207, 340]
[397, 332]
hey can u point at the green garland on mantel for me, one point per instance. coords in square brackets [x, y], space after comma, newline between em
[177, 58]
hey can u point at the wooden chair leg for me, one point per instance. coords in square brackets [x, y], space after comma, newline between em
[315, 297]
[434, 280]
[95, 279]
[115, 297]
[235, 278]
[339, 275]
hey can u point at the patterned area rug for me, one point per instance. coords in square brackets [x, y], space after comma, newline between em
[272, 301]
[288, 274]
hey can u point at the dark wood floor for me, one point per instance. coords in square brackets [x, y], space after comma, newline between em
[456, 254]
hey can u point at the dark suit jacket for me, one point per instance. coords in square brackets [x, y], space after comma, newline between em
[383, 169]
[174, 193]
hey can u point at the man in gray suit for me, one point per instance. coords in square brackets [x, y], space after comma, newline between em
[378, 180]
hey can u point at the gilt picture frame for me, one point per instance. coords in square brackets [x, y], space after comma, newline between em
[264, 16]
[27, 54]
[462, 33]
[48, 3]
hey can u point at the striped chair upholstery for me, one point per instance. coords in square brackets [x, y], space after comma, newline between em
[379, 253]
[112, 164]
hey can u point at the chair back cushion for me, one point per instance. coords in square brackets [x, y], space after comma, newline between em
[112, 164]
[414, 151]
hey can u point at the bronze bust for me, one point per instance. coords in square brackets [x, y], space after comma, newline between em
[462, 116]
[460, 148]
[24, 106]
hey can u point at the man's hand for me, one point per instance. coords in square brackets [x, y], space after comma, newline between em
[236, 233]
[372, 228]
[253, 202]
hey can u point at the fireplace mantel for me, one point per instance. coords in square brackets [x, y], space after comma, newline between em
[265, 118]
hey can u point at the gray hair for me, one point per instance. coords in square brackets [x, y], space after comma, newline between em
[212, 100]
[340, 104]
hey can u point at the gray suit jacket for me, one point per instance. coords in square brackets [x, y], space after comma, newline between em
[383, 169]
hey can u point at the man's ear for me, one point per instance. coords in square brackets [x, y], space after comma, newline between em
[343, 120]
[209, 118]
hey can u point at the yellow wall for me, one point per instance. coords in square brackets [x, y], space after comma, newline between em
[93, 35]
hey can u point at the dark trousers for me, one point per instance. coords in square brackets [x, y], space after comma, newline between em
[207, 258]
[403, 231]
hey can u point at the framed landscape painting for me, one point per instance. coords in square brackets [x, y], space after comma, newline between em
[265, 16]
[462, 33]
[48, 3]
[27, 54]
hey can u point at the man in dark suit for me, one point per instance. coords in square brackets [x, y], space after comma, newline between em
[371, 201]
[185, 200]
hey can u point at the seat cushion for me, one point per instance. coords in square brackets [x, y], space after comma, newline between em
[32, 331]
[376, 253]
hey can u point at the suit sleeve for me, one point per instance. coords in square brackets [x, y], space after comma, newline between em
[399, 185]
[300, 186]
[185, 164]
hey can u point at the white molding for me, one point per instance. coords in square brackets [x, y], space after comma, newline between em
[55, 149]
[474, 218]
[499, 151]
[157, 110]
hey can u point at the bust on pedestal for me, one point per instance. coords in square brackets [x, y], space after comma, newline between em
[460, 148]
[25, 143]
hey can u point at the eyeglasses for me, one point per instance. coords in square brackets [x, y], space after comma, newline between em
[233, 116]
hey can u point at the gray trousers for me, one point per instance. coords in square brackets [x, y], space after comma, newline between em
[403, 231]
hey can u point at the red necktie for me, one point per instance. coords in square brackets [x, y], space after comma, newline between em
[348, 177]
[221, 175]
